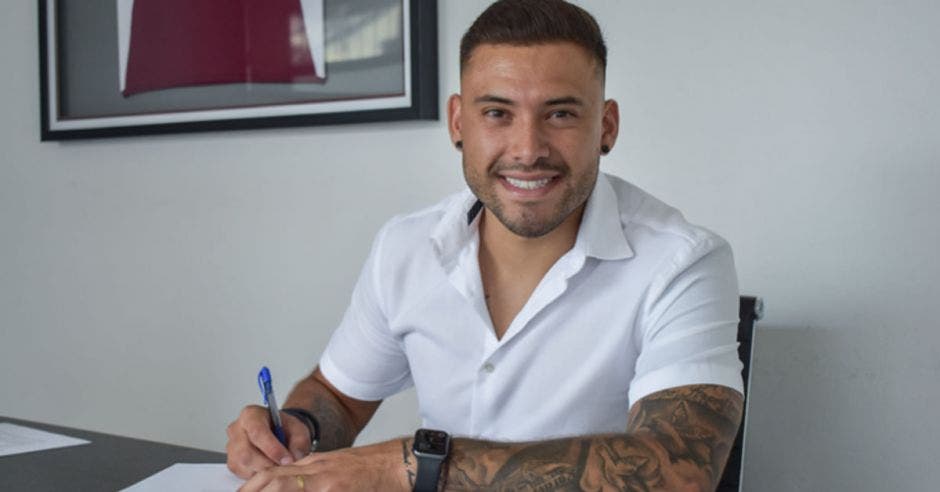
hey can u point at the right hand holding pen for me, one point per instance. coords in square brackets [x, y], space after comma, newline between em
[253, 447]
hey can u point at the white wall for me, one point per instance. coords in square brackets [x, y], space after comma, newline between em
[144, 280]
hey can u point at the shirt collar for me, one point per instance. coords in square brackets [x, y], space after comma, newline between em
[600, 235]
[457, 228]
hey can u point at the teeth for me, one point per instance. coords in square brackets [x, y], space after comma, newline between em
[528, 185]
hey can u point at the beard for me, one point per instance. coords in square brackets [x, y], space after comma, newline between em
[531, 221]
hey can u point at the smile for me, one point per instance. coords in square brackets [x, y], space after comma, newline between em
[528, 185]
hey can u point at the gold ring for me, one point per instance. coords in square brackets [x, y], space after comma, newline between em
[300, 481]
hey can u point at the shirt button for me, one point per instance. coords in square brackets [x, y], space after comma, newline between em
[488, 367]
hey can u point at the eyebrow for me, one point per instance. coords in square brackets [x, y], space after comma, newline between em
[564, 100]
[489, 98]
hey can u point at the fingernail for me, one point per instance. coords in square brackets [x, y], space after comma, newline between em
[286, 460]
[298, 455]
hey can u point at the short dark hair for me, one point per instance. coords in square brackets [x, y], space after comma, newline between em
[528, 22]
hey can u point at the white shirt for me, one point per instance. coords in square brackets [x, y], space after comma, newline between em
[644, 301]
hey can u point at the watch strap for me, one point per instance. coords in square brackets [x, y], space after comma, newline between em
[429, 474]
[310, 421]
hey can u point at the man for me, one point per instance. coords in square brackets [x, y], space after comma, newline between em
[572, 332]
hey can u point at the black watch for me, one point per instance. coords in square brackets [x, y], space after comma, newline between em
[431, 448]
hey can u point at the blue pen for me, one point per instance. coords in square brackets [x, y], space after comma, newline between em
[267, 392]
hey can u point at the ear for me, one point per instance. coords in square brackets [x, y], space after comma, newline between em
[610, 124]
[453, 118]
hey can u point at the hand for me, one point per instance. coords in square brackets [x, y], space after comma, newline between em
[253, 447]
[377, 467]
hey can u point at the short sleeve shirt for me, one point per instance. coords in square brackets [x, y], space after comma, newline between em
[643, 302]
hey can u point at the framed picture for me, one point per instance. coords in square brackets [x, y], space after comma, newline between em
[132, 67]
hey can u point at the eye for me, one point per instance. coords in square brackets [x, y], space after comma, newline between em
[561, 114]
[495, 113]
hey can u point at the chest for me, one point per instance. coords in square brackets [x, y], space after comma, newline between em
[533, 380]
[505, 296]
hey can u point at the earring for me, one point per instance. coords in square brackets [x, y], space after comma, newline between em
[459, 144]
[605, 149]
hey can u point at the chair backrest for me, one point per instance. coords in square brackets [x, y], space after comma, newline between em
[751, 309]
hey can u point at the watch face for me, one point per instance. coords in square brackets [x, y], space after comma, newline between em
[431, 442]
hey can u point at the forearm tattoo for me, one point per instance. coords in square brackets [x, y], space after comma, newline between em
[677, 439]
[410, 463]
[336, 429]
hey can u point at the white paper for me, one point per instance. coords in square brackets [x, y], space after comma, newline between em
[188, 477]
[16, 439]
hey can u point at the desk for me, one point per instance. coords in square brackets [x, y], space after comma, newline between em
[107, 463]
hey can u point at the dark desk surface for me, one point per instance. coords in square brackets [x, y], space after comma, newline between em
[107, 463]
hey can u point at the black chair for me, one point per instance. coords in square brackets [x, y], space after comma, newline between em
[751, 309]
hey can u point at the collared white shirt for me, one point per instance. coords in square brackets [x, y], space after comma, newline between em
[644, 301]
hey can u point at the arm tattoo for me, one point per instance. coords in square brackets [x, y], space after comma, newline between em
[677, 439]
[336, 430]
[410, 466]
[694, 424]
[548, 465]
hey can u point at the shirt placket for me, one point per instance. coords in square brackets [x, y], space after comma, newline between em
[490, 380]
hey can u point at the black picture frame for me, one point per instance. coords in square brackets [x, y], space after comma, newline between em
[419, 101]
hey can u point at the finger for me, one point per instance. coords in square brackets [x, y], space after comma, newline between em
[258, 481]
[279, 478]
[289, 483]
[298, 436]
[242, 457]
[311, 459]
[245, 460]
[256, 423]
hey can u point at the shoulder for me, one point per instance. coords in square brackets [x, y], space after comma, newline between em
[656, 229]
[641, 212]
[405, 262]
[405, 253]
[405, 232]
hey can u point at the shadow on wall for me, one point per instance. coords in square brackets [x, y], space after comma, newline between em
[816, 396]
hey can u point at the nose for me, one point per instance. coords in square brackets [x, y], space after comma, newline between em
[528, 142]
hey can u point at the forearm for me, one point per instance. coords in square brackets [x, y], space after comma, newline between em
[339, 424]
[609, 462]
[678, 439]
